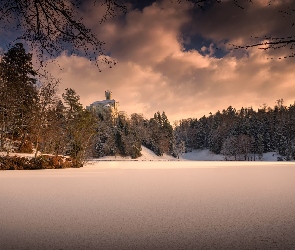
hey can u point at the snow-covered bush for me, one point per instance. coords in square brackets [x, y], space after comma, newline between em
[41, 162]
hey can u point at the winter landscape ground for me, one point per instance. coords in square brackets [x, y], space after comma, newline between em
[148, 155]
[150, 205]
[194, 155]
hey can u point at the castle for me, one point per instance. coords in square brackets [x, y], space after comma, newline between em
[108, 105]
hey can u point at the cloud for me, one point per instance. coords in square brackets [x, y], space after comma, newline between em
[147, 36]
[155, 73]
[228, 22]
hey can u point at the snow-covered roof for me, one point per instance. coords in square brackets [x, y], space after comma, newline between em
[104, 102]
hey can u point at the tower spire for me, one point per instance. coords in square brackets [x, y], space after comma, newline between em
[108, 94]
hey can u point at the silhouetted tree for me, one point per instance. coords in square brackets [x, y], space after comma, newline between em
[51, 27]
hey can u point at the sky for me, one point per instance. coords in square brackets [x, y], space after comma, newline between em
[178, 58]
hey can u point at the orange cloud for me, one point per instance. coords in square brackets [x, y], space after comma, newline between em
[155, 73]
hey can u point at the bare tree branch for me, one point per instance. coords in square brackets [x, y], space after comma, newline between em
[52, 27]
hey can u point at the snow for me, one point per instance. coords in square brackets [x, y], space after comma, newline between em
[149, 205]
[202, 155]
[194, 155]
[148, 155]
[17, 154]
[270, 156]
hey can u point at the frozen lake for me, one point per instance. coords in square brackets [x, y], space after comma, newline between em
[150, 205]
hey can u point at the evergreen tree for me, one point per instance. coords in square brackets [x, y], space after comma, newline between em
[81, 127]
[72, 100]
[18, 93]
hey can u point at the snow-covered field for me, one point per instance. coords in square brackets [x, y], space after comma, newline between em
[148, 155]
[195, 155]
[150, 205]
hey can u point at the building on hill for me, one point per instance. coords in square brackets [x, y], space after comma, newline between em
[107, 106]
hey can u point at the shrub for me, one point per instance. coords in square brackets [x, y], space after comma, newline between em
[13, 163]
[41, 162]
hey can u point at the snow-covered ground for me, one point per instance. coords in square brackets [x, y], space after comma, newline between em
[202, 155]
[270, 156]
[148, 155]
[154, 205]
[17, 154]
[195, 155]
[21, 154]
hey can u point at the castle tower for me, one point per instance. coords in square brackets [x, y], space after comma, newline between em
[108, 94]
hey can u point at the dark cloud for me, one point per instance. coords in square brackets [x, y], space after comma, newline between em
[228, 22]
[140, 4]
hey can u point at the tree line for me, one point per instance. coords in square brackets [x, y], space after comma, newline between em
[243, 134]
